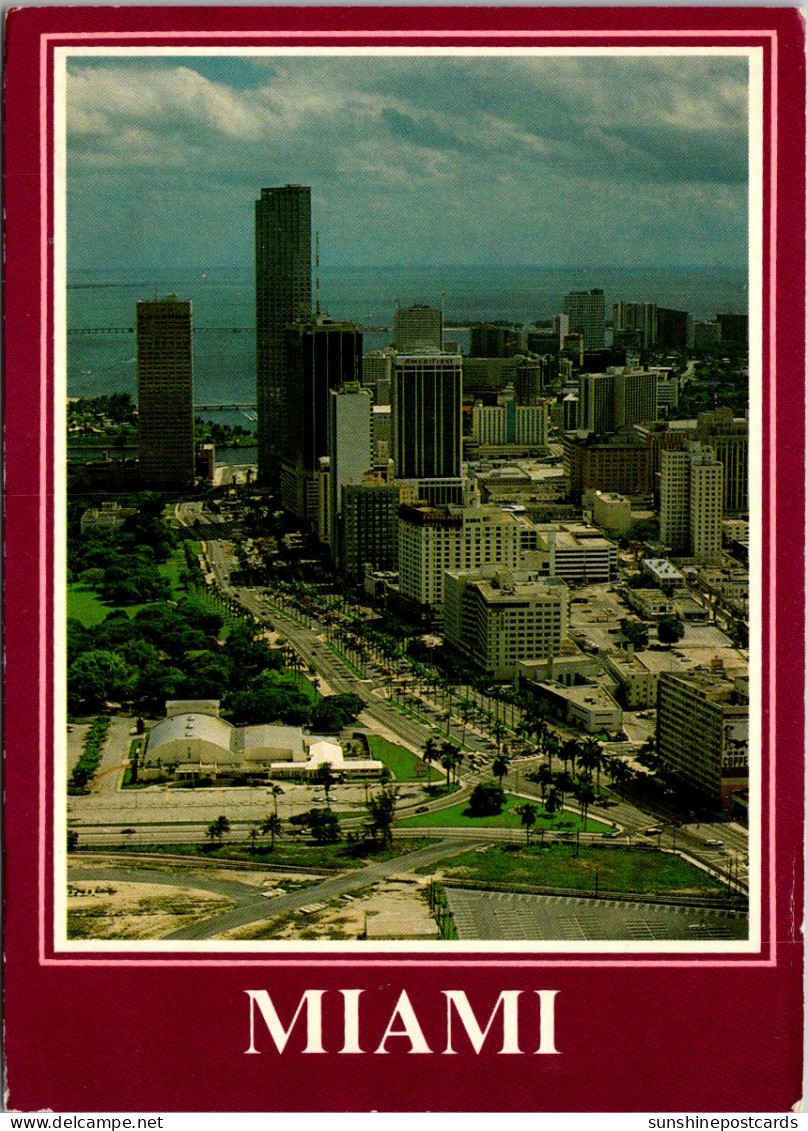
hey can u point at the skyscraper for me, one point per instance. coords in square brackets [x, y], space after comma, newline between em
[165, 392]
[320, 356]
[418, 327]
[587, 316]
[427, 400]
[283, 297]
[691, 501]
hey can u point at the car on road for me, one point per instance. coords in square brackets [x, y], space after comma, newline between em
[610, 835]
[128, 832]
[713, 843]
[652, 831]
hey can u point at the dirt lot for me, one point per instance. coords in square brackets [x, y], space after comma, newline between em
[394, 909]
[105, 909]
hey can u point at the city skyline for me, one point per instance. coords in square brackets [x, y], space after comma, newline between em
[412, 160]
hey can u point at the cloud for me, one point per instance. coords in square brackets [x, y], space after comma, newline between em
[416, 155]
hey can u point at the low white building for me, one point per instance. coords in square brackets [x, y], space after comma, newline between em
[192, 739]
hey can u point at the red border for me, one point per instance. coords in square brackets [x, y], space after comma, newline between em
[707, 993]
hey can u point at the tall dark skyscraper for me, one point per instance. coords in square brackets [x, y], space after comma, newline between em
[165, 392]
[320, 356]
[283, 297]
[427, 399]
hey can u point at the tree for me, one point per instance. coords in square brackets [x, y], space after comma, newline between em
[528, 814]
[670, 630]
[448, 758]
[323, 824]
[487, 799]
[543, 777]
[271, 825]
[217, 829]
[585, 792]
[569, 752]
[275, 791]
[635, 632]
[592, 757]
[381, 810]
[552, 804]
[72, 840]
[499, 767]
[333, 712]
[325, 776]
[431, 754]
[96, 676]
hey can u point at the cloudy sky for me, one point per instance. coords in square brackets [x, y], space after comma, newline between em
[417, 160]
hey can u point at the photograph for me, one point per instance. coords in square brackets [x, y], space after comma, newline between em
[410, 548]
[404, 580]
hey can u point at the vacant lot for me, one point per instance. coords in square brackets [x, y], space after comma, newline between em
[402, 763]
[640, 870]
[457, 816]
[121, 910]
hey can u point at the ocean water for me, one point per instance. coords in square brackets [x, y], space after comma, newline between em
[224, 311]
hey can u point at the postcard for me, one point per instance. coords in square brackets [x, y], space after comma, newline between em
[405, 562]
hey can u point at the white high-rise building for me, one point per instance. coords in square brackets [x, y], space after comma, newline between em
[587, 316]
[691, 501]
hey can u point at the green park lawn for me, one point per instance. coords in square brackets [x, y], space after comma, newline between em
[84, 605]
[456, 816]
[402, 763]
[637, 869]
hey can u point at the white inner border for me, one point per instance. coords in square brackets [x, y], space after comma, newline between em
[446, 949]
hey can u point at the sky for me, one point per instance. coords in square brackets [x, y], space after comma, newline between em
[431, 161]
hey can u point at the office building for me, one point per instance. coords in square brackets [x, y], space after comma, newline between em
[672, 328]
[418, 327]
[434, 539]
[728, 436]
[509, 424]
[706, 335]
[620, 463]
[596, 396]
[734, 329]
[640, 317]
[427, 399]
[703, 732]
[369, 528]
[494, 339]
[635, 396]
[691, 501]
[586, 313]
[165, 392]
[320, 355]
[350, 451]
[283, 297]
[499, 617]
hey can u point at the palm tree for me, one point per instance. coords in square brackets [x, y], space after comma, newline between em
[325, 777]
[551, 747]
[552, 804]
[591, 757]
[216, 829]
[543, 777]
[569, 752]
[528, 813]
[585, 792]
[431, 754]
[271, 825]
[459, 758]
[499, 767]
[275, 792]
[448, 758]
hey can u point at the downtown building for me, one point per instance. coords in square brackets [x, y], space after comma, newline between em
[586, 313]
[283, 297]
[432, 540]
[617, 399]
[691, 509]
[509, 424]
[426, 423]
[320, 356]
[499, 617]
[703, 731]
[418, 327]
[165, 392]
